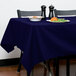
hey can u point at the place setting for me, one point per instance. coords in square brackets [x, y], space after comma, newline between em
[51, 18]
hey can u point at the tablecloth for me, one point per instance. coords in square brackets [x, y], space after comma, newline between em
[41, 40]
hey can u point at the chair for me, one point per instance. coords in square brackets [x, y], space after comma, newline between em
[28, 13]
[20, 15]
[65, 12]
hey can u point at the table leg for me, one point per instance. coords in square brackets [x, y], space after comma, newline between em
[68, 67]
[56, 66]
[28, 74]
[49, 70]
[47, 63]
[45, 71]
[45, 68]
[32, 73]
[19, 67]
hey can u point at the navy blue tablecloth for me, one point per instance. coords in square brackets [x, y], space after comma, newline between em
[40, 40]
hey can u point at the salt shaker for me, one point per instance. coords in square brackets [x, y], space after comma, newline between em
[43, 11]
[51, 11]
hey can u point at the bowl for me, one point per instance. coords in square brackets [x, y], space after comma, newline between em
[35, 18]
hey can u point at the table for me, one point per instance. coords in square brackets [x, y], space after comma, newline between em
[40, 41]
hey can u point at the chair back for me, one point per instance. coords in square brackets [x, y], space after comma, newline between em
[28, 13]
[65, 13]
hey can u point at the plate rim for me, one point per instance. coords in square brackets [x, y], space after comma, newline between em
[58, 22]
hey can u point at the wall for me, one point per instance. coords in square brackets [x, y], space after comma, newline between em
[8, 10]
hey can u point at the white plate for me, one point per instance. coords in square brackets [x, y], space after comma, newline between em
[35, 18]
[58, 22]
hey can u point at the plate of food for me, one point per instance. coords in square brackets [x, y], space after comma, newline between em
[35, 18]
[58, 20]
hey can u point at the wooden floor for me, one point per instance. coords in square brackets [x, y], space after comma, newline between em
[38, 69]
[12, 71]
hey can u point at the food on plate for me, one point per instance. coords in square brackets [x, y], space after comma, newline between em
[54, 19]
[34, 17]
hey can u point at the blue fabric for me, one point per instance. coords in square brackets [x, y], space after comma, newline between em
[40, 40]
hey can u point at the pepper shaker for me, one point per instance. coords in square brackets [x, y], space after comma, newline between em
[51, 11]
[43, 11]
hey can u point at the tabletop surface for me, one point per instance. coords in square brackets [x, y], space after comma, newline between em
[43, 22]
[40, 41]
